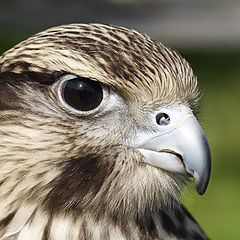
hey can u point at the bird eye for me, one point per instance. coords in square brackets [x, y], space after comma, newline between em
[82, 94]
[162, 119]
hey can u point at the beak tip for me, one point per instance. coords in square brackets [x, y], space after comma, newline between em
[200, 189]
[201, 183]
[200, 169]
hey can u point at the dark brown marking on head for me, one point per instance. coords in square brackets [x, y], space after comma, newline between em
[80, 181]
[14, 79]
[5, 221]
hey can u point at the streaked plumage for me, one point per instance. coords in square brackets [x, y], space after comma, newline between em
[68, 175]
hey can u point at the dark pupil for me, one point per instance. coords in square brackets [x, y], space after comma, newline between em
[82, 93]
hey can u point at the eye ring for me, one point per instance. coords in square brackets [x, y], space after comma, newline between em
[81, 91]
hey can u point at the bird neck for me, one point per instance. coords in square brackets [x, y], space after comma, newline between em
[28, 219]
[167, 223]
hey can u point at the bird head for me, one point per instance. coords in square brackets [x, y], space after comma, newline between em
[98, 119]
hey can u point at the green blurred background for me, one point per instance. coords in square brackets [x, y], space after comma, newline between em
[207, 34]
[218, 210]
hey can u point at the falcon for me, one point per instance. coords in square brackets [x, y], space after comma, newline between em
[98, 137]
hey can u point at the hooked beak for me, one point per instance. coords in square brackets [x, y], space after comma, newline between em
[178, 145]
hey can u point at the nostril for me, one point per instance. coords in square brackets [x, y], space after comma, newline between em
[162, 119]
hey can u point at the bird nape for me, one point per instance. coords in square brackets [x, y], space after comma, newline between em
[98, 137]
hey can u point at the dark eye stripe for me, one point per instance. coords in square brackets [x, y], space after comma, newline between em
[82, 94]
[38, 77]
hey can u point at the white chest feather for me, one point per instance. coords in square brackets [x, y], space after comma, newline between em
[31, 224]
